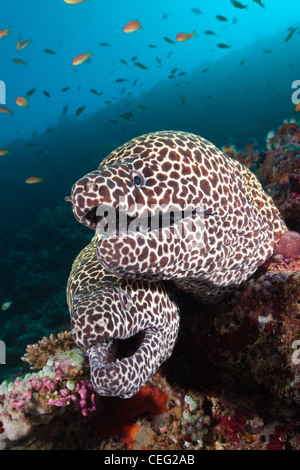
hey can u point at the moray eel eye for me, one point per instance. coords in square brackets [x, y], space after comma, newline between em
[124, 299]
[137, 178]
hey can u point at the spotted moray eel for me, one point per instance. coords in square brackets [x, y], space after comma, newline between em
[222, 226]
[106, 309]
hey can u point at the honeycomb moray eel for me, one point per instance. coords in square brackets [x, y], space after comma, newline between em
[105, 310]
[203, 218]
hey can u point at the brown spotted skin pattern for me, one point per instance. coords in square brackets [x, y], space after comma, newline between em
[237, 232]
[105, 309]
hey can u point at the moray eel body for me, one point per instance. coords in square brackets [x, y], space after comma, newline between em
[211, 224]
[105, 310]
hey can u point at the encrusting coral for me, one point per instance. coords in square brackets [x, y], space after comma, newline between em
[38, 397]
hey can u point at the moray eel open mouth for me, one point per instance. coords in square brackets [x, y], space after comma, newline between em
[126, 329]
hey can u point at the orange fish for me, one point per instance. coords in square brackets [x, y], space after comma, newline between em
[80, 110]
[297, 108]
[5, 32]
[22, 101]
[19, 61]
[73, 2]
[5, 110]
[79, 59]
[33, 180]
[132, 26]
[182, 37]
[3, 152]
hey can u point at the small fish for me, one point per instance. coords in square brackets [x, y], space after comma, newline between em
[290, 35]
[3, 152]
[51, 131]
[49, 51]
[182, 37]
[133, 58]
[22, 101]
[259, 3]
[30, 92]
[18, 43]
[267, 51]
[95, 92]
[205, 70]
[113, 121]
[210, 33]
[5, 32]
[65, 110]
[128, 117]
[120, 80]
[181, 74]
[158, 60]
[169, 40]
[6, 305]
[47, 94]
[19, 61]
[66, 88]
[34, 180]
[182, 102]
[132, 26]
[223, 46]
[104, 44]
[221, 18]
[197, 11]
[242, 62]
[73, 2]
[142, 106]
[80, 110]
[152, 46]
[123, 61]
[30, 145]
[79, 59]
[174, 70]
[238, 5]
[140, 66]
[5, 110]
[24, 44]
[165, 16]
[170, 53]
[297, 108]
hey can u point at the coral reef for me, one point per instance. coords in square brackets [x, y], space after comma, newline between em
[278, 169]
[38, 354]
[233, 382]
[38, 397]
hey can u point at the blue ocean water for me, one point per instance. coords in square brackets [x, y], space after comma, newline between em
[233, 93]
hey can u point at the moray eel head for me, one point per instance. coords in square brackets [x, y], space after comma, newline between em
[232, 223]
[102, 322]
